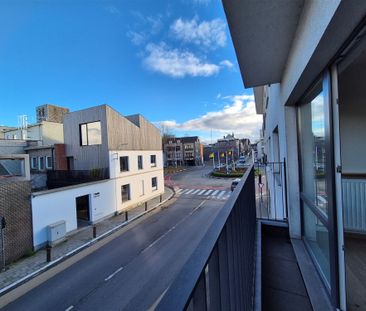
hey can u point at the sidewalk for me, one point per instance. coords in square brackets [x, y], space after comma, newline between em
[22, 268]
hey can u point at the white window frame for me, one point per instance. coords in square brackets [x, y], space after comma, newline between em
[49, 167]
[41, 159]
[34, 163]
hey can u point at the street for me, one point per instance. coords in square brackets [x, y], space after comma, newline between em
[133, 270]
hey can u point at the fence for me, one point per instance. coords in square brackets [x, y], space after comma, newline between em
[57, 179]
[220, 273]
[270, 187]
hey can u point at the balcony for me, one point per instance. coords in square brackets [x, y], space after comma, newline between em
[242, 263]
[58, 179]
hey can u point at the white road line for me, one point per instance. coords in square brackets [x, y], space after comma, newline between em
[69, 308]
[179, 191]
[221, 193]
[226, 197]
[194, 192]
[215, 192]
[188, 192]
[184, 191]
[202, 191]
[113, 274]
[208, 192]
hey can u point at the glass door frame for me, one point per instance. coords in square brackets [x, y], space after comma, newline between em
[330, 222]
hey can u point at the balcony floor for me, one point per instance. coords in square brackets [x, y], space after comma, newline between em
[283, 287]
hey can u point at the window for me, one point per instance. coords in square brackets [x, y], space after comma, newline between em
[34, 163]
[139, 162]
[90, 134]
[41, 163]
[153, 160]
[49, 162]
[154, 183]
[123, 164]
[125, 191]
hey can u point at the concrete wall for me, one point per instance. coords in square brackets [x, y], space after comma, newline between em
[16, 208]
[52, 133]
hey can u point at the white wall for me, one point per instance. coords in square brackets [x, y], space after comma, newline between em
[52, 133]
[60, 204]
[134, 177]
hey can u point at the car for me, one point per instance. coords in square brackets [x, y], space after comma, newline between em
[234, 183]
[218, 166]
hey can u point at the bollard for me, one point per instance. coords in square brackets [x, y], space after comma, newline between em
[161, 198]
[126, 214]
[48, 252]
[94, 231]
[145, 206]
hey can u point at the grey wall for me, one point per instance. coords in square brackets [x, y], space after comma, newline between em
[86, 157]
[352, 110]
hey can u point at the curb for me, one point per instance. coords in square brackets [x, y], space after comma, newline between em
[77, 250]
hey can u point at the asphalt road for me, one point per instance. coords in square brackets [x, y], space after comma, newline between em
[132, 271]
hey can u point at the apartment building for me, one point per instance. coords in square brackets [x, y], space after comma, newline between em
[183, 151]
[122, 159]
[306, 61]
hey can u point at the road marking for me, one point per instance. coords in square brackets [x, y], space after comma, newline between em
[176, 225]
[202, 191]
[113, 274]
[188, 192]
[69, 308]
[221, 193]
[208, 192]
[179, 191]
[215, 192]
[194, 192]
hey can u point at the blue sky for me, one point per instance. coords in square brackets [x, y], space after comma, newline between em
[171, 61]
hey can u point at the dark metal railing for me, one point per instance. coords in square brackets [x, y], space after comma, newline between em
[57, 179]
[219, 275]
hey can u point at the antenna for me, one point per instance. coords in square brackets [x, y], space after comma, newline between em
[23, 125]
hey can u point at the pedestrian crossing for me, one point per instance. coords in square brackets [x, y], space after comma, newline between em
[207, 193]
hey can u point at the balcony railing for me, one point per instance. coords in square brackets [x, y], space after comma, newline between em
[57, 179]
[219, 275]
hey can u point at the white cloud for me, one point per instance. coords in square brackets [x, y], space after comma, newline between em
[209, 34]
[226, 63]
[144, 28]
[239, 116]
[176, 63]
[137, 38]
[112, 10]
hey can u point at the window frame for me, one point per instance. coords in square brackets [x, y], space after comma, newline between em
[140, 162]
[81, 134]
[34, 165]
[153, 162]
[154, 188]
[41, 159]
[128, 193]
[48, 167]
[120, 164]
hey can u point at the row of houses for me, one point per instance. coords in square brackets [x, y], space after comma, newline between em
[107, 163]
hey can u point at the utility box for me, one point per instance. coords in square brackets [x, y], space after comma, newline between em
[56, 232]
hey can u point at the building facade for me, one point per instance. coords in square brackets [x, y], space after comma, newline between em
[306, 61]
[99, 138]
[183, 151]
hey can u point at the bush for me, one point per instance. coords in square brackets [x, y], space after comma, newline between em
[229, 175]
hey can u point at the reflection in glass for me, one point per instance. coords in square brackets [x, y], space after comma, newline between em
[317, 237]
[313, 151]
[94, 133]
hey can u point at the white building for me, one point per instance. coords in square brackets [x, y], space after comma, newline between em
[128, 148]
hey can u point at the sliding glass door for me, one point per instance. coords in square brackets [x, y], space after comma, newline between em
[317, 181]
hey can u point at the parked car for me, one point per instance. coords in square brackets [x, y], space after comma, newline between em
[234, 183]
[221, 165]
